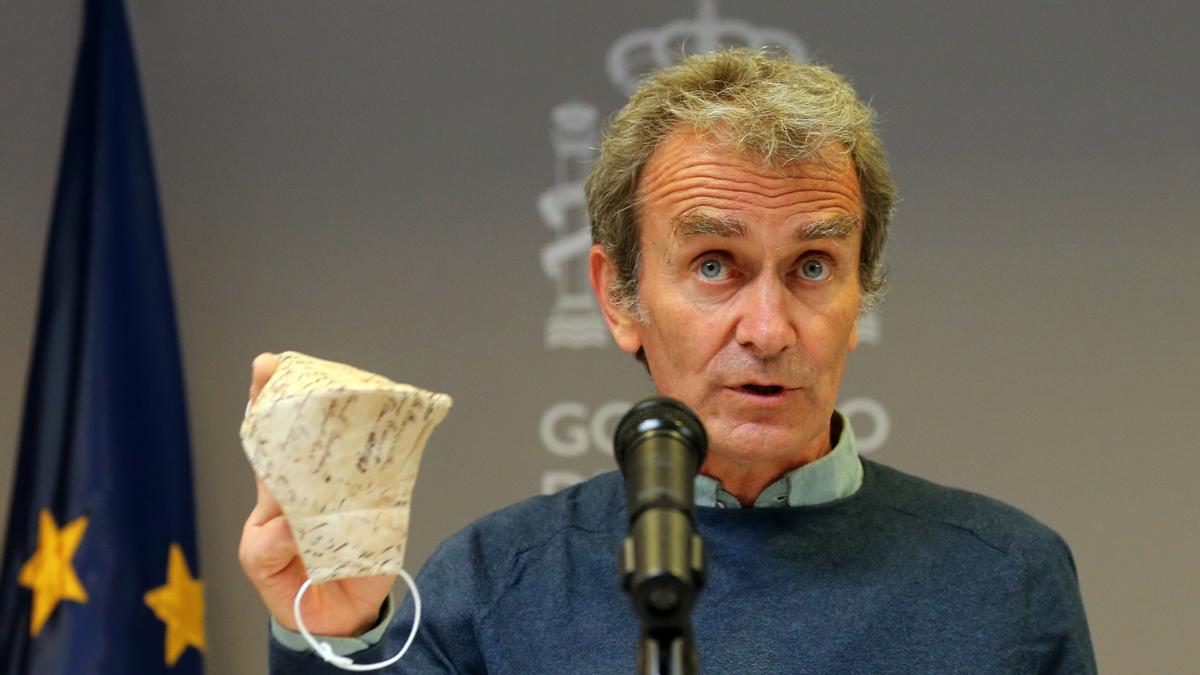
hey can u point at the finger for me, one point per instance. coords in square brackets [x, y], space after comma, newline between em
[267, 507]
[261, 370]
[267, 549]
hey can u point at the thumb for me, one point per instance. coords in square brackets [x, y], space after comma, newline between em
[261, 370]
[267, 507]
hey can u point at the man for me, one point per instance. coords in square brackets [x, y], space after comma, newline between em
[739, 207]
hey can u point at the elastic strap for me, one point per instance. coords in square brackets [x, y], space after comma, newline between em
[325, 651]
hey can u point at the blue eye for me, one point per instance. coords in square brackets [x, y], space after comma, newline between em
[712, 269]
[814, 269]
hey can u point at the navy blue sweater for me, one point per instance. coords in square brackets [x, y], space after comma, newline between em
[905, 576]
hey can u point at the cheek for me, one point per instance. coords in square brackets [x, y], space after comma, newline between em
[680, 342]
[829, 346]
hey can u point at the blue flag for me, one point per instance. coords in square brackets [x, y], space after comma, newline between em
[100, 568]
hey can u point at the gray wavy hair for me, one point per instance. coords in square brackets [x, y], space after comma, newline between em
[766, 105]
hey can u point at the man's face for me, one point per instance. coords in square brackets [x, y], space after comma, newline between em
[750, 289]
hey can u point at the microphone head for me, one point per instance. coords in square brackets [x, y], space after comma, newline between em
[656, 415]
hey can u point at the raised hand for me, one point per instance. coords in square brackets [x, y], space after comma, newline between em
[271, 560]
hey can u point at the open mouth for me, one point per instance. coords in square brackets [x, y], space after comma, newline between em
[762, 389]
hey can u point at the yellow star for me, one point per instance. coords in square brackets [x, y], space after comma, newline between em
[180, 605]
[49, 572]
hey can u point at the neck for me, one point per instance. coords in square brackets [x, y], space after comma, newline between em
[746, 479]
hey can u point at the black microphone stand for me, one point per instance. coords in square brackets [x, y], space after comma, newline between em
[667, 655]
[659, 446]
[663, 595]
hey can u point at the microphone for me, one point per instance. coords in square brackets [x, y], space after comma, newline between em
[659, 445]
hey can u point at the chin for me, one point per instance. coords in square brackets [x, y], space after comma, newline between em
[754, 441]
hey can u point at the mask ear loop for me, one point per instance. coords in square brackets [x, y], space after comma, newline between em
[325, 651]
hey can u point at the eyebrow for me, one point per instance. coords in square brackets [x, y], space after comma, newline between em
[838, 227]
[700, 224]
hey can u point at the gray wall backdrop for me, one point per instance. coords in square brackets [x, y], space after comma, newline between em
[361, 181]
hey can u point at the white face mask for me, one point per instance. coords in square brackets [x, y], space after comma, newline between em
[339, 449]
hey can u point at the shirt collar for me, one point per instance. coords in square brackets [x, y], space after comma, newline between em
[834, 476]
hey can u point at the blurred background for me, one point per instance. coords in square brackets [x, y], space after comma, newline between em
[394, 185]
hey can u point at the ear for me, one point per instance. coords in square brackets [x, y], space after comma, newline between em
[621, 324]
[854, 336]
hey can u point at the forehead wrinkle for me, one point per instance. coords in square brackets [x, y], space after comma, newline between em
[678, 173]
[677, 159]
[675, 162]
[723, 186]
[705, 177]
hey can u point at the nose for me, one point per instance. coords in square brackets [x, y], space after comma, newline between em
[765, 322]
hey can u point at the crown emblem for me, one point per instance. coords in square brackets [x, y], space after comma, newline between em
[639, 52]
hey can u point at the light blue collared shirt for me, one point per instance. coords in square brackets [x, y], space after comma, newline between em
[836, 475]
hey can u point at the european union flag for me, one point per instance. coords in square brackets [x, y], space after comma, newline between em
[99, 572]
